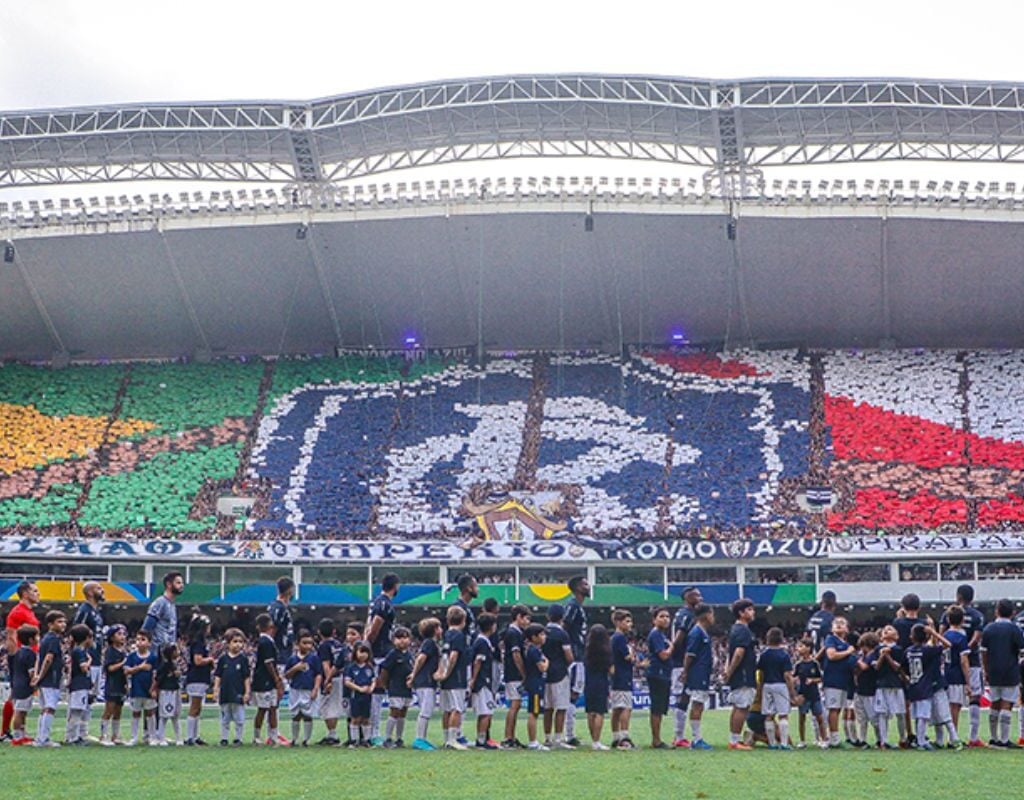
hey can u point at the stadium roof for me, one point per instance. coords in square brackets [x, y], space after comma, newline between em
[732, 128]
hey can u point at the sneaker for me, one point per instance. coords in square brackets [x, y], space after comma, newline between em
[224, 742]
[105, 743]
[7, 737]
[236, 743]
[21, 741]
[199, 743]
[47, 743]
[376, 741]
[783, 747]
[739, 746]
[976, 743]
[399, 744]
[599, 746]
[487, 744]
[508, 744]
[773, 747]
[626, 744]
[189, 742]
[574, 741]
[464, 741]
[562, 745]
[661, 746]
[700, 744]
[388, 744]
[456, 745]
[957, 745]
[886, 746]
[1011, 745]
[801, 745]
[131, 743]
[684, 742]
[422, 744]
[823, 745]
[928, 746]
[92, 739]
[538, 747]
[994, 743]
[1020, 741]
[281, 739]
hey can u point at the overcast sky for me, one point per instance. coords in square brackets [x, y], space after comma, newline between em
[71, 52]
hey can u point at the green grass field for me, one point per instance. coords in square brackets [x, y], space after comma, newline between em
[250, 772]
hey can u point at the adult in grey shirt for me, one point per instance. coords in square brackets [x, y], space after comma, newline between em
[162, 618]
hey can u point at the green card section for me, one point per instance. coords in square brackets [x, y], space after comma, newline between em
[180, 396]
[85, 391]
[159, 493]
[53, 508]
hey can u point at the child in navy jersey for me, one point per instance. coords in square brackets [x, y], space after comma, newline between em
[807, 672]
[304, 674]
[777, 689]
[360, 679]
[393, 677]
[232, 686]
[115, 685]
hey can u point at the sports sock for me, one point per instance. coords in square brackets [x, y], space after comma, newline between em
[1005, 721]
[295, 729]
[8, 715]
[570, 723]
[257, 733]
[993, 724]
[975, 713]
[273, 734]
[734, 738]
[447, 735]
[192, 728]
[307, 729]
[680, 731]
[364, 731]
[940, 735]
[951, 730]
[695, 729]
[115, 729]
[399, 727]
[901, 726]
[376, 706]
[161, 729]
[135, 728]
[769, 729]
[922, 729]
[86, 719]
[104, 728]
[883, 728]
[422, 723]
[45, 726]
[616, 736]
[225, 725]
[850, 728]
[784, 731]
[389, 728]
[834, 737]
[353, 732]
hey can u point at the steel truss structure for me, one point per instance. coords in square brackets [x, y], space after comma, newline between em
[731, 128]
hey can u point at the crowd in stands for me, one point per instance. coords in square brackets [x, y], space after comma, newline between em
[663, 444]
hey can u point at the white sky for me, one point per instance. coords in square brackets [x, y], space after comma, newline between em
[57, 53]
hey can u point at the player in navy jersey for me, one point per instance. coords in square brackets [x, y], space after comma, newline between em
[623, 661]
[378, 633]
[328, 649]
[922, 666]
[807, 672]
[493, 607]
[837, 675]
[79, 684]
[597, 668]
[974, 622]
[890, 700]
[337, 704]
[1001, 645]
[575, 625]
[557, 692]
[48, 675]
[907, 618]
[421, 680]
[304, 674]
[513, 650]
[267, 687]
[115, 685]
[360, 677]
[281, 615]
[22, 666]
[140, 668]
[740, 670]
[198, 675]
[695, 675]
[393, 677]
[452, 677]
[481, 687]
[682, 623]
[819, 626]
[778, 689]
[468, 592]
[535, 665]
[957, 668]
[232, 686]
[866, 678]
[90, 615]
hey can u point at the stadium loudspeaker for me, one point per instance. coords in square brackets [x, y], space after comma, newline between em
[60, 359]
[8, 253]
